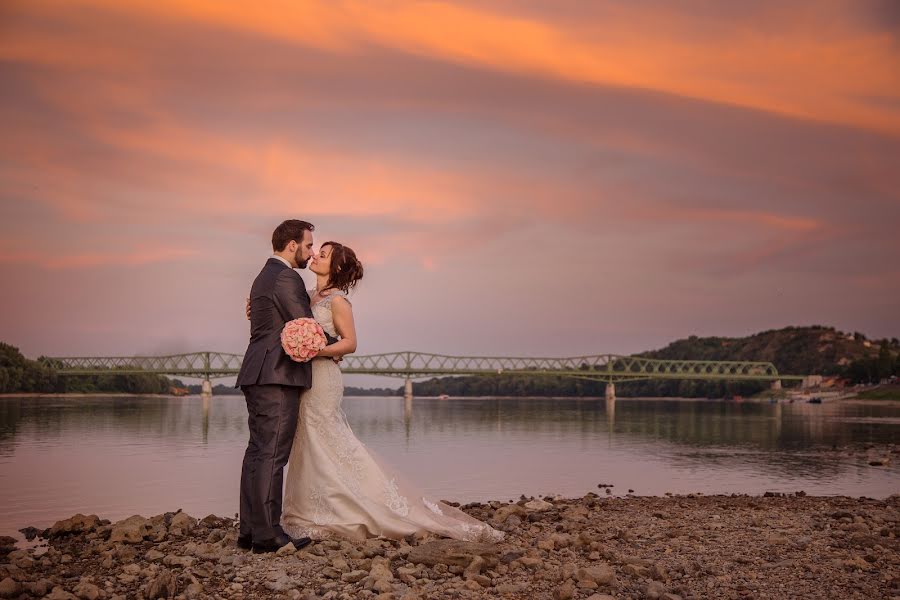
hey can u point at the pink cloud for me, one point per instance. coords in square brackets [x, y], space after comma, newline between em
[786, 69]
[114, 257]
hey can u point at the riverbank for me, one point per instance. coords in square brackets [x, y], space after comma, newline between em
[591, 547]
[88, 395]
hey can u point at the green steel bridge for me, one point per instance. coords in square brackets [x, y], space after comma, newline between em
[610, 368]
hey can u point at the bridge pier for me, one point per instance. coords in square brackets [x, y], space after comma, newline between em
[408, 390]
[776, 385]
[206, 388]
[610, 392]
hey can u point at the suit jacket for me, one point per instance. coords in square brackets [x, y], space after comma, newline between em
[278, 295]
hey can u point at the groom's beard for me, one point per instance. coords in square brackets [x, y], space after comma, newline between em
[301, 264]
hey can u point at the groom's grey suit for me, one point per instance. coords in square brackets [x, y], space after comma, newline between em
[271, 383]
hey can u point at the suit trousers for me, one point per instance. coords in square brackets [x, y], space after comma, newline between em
[272, 412]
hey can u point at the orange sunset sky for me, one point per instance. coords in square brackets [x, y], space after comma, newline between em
[532, 177]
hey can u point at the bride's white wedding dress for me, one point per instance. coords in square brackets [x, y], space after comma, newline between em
[334, 485]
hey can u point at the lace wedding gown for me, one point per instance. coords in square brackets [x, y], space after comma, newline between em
[335, 487]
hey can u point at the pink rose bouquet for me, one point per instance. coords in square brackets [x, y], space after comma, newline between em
[302, 339]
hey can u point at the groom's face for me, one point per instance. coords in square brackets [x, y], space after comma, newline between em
[304, 250]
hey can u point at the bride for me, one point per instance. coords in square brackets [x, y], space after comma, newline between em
[335, 487]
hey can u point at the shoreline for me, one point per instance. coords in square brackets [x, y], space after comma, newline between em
[751, 400]
[676, 547]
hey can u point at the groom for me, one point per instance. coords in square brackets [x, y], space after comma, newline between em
[272, 383]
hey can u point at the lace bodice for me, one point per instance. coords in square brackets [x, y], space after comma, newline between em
[321, 311]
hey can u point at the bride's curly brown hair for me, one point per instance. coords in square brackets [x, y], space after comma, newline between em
[346, 270]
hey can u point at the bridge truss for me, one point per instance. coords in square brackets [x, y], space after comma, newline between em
[416, 365]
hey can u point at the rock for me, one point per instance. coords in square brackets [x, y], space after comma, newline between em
[538, 505]
[531, 563]
[512, 523]
[173, 560]
[341, 565]
[601, 574]
[156, 527]
[381, 571]
[857, 563]
[41, 587]
[452, 552]
[568, 571]
[153, 555]
[635, 570]
[60, 594]
[511, 588]
[670, 596]
[164, 585]
[354, 576]
[87, 590]
[195, 590]
[214, 522]
[75, 524]
[658, 572]
[654, 590]
[504, 512]
[286, 549]
[601, 597]
[565, 592]
[475, 567]
[282, 584]
[183, 522]
[30, 532]
[130, 531]
[9, 588]
[512, 555]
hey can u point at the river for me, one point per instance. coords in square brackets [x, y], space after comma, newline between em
[118, 456]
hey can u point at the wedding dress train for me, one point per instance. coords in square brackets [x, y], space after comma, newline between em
[335, 487]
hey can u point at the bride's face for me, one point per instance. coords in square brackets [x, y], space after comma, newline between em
[321, 262]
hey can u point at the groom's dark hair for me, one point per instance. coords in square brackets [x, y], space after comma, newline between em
[292, 229]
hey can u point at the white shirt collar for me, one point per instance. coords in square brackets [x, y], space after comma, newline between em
[282, 260]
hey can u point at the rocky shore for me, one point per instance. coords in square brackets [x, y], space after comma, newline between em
[595, 547]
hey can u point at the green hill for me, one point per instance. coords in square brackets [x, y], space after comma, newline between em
[814, 350]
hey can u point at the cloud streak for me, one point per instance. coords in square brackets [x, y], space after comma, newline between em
[653, 167]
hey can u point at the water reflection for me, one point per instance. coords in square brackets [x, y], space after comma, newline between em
[206, 400]
[120, 456]
[610, 416]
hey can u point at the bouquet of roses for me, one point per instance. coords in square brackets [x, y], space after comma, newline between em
[302, 339]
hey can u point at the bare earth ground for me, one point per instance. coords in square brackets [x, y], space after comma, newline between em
[592, 547]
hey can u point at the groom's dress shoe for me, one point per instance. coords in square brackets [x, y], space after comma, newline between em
[244, 542]
[275, 544]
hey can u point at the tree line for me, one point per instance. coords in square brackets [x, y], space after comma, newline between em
[22, 375]
[810, 350]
